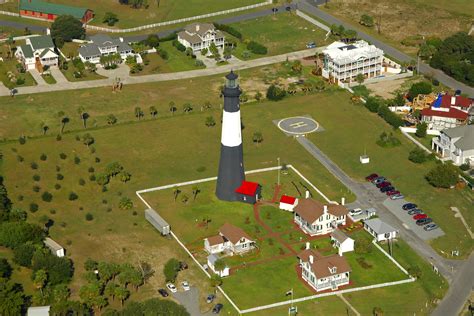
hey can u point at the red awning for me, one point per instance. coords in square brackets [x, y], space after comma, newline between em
[287, 199]
[247, 188]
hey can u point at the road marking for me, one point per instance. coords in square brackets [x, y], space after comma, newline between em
[406, 226]
[298, 124]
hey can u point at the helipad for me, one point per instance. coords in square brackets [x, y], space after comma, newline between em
[298, 126]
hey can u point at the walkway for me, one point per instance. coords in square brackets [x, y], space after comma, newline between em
[168, 76]
[39, 80]
[309, 6]
[58, 75]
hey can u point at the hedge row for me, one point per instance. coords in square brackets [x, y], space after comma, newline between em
[228, 29]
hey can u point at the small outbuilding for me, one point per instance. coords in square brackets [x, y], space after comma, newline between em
[380, 230]
[157, 221]
[55, 248]
[211, 260]
[249, 192]
[288, 203]
[38, 311]
[342, 242]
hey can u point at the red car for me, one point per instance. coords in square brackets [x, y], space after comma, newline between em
[371, 177]
[390, 193]
[419, 216]
[383, 184]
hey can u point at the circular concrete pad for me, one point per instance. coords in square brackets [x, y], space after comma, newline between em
[298, 125]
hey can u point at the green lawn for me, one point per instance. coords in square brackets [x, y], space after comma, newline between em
[280, 33]
[177, 61]
[69, 74]
[49, 78]
[70, 49]
[9, 73]
[167, 10]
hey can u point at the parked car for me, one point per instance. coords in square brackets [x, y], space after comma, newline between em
[185, 285]
[355, 212]
[430, 227]
[409, 206]
[371, 177]
[210, 298]
[387, 189]
[393, 192]
[217, 308]
[171, 287]
[423, 221]
[415, 211]
[163, 292]
[397, 197]
[420, 216]
[288, 8]
[383, 184]
[182, 265]
[311, 45]
[378, 180]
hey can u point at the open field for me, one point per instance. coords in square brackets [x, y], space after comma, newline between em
[280, 33]
[166, 11]
[402, 18]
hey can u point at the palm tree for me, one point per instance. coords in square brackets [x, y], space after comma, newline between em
[146, 270]
[257, 137]
[110, 289]
[172, 107]
[63, 119]
[122, 294]
[176, 192]
[196, 191]
[111, 119]
[83, 115]
[44, 128]
[153, 111]
[360, 79]
[219, 265]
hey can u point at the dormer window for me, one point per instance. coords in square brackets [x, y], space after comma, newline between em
[333, 270]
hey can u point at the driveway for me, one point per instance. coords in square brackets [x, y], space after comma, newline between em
[36, 75]
[58, 75]
[190, 300]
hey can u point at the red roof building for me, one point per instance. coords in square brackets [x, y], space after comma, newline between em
[287, 199]
[456, 101]
[249, 192]
[447, 112]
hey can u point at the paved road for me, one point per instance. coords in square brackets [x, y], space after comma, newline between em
[22, 26]
[310, 6]
[460, 274]
[165, 77]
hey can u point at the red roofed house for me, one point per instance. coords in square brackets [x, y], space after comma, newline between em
[315, 218]
[231, 239]
[42, 10]
[447, 112]
[249, 192]
[287, 203]
[323, 273]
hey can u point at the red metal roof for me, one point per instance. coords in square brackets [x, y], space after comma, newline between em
[287, 199]
[460, 101]
[452, 113]
[247, 188]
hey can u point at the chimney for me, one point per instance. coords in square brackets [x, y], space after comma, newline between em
[311, 259]
[197, 27]
[453, 100]
[325, 209]
[343, 201]
[308, 245]
[307, 194]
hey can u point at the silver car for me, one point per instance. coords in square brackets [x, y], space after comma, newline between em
[415, 211]
[397, 197]
[430, 227]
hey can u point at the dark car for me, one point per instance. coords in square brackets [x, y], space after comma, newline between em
[182, 265]
[379, 180]
[210, 298]
[383, 184]
[409, 206]
[217, 308]
[288, 8]
[371, 177]
[423, 221]
[163, 292]
[387, 189]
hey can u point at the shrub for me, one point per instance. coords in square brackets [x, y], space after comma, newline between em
[82, 181]
[91, 169]
[465, 167]
[125, 203]
[59, 137]
[34, 165]
[421, 130]
[89, 217]
[418, 155]
[59, 176]
[102, 179]
[43, 157]
[275, 93]
[388, 140]
[179, 46]
[443, 176]
[23, 254]
[20, 158]
[77, 160]
[373, 104]
[417, 88]
[73, 196]
[36, 177]
[228, 29]
[33, 207]
[62, 156]
[257, 48]
[58, 168]
[163, 54]
[57, 186]
[92, 177]
[171, 269]
[36, 188]
[59, 269]
[46, 196]
[97, 159]
[198, 63]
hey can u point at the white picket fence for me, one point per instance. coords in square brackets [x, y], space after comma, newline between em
[9, 13]
[192, 18]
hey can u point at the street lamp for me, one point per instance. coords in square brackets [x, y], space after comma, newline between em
[278, 159]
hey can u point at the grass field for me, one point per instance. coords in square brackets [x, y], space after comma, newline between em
[49, 78]
[280, 33]
[9, 66]
[402, 18]
[167, 10]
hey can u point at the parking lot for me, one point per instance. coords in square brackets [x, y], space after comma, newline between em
[395, 206]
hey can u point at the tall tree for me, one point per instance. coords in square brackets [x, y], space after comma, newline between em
[122, 294]
[67, 28]
[40, 279]
[110, 289]
[196, 191]
[44, 128]
[83, 115]
[12, 298]
[64, 119]
[138, 112]
[146, 270]
[172, 107]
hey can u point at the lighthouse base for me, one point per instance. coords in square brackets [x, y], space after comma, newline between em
[231, 173]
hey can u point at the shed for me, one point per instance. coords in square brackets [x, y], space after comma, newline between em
[157, 221]
[287, 203]
[380, 230]
[55, 248]
[341, 241]
[249, 192]
[211, 260]
[38, 311]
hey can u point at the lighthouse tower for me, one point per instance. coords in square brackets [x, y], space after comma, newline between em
[231, 165]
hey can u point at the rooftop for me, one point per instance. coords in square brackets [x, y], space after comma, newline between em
[247, 188]
[233, 233]
[53, 8]
[41, 42]
[378, 226]
[341, 53]
[287, 199]
[310, 210]
[339, 236]
[466, 135]
[450, 113]
[51, 244]
[322, 266]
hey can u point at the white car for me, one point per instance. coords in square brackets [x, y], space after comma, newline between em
[185, 285]
[355, 212]
[171, 287]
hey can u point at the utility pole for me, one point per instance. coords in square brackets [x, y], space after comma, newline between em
[278, 159]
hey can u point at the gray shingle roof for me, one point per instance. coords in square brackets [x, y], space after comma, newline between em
[102, 40]
[465, 132]
[199, 28]
[89, 50]
[339, 236]
[378, 226]
[27, 51]
[191, 38]
[40, 42]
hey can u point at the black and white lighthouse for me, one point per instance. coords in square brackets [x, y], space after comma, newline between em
[231, 166]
